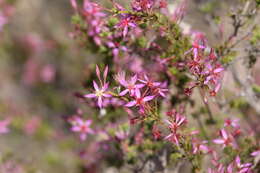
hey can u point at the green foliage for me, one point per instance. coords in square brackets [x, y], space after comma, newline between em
[142, 42]
[256, 88]
[255, 36]
[229, 57]
[175, 157]
[208, 7]
[238, 103]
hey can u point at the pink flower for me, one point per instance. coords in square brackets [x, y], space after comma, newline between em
[195, 49]
[198, 45]
[176, 122]
[230, 122]
[142, 5]
[100, 92]
[3, 21]
[226, 139]
[83, 127]
[139, 100]
[48, 73]
[124, 24]
[213, 74]
[149, 83]
[3, 126]
[130, 85]
[116, 47]
[199, 146]
[91, 9]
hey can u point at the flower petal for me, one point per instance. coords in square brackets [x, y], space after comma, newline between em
[131, 104]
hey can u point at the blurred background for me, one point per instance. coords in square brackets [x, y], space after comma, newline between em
[42, 66]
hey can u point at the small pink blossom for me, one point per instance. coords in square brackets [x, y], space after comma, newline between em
[139, 100]
[149, 83]
[177, 121]
[83, 127]
[4, 126]
[48, 73]
[100, 92]
[231, 122]
[124, 24]
[226, 139]
[199, 146]
[130, 85]
[142, 5]
[91, 9]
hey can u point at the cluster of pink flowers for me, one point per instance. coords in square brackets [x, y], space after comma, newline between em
[175, 122]
[137, 91]
[120, 34]
[229, 134]
[234, 167]
[140, 93]
[229, 137]
[6, 10]
[204, 66]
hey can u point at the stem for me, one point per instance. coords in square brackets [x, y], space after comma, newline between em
[211, 119]
[204, 132]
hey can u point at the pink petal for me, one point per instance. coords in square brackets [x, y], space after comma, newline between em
[137, 93]
[90, 95]
[100, 102]
[75, 129]
[124, 92]
[156, 84]
[97, 71]
[95, 86]
[139, 86]
[218, 70]
[195, 52]
[219, 141]
[107, 95]
[131, 104]
[224, 134]
[88, 122]
[74, 4]
[169, 136]
[105, 73]
[115, 52]
[256, 153]
[110, 44]
[162, 94]
[125, 31]
[148, 98]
